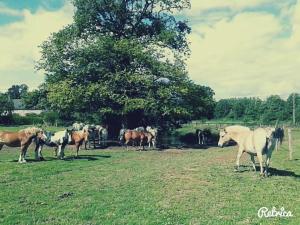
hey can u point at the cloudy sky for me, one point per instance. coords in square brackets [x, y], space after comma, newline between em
[239, 47]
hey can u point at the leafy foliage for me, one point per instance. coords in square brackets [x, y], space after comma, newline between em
[254, 109]
[17, 91]
[111, 60]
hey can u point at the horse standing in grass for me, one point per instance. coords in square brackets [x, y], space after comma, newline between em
[138, 138]
[77, 139]
[256, 143]
[58, 140]
[22, 138]
[153, 132]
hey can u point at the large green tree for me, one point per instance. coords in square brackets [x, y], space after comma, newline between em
[123, 59]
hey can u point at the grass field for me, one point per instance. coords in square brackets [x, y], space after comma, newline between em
[112, 186]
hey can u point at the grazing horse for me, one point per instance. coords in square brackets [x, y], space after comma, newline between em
[153, 132]
[58, 140]
[22, 138]
[255, 143]
[77, 139]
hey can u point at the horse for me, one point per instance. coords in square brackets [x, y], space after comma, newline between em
[278, 135]
[22, 138]
[153, 132]
[77, 126]
[136, 137]
[58, 140]
[91, 129]
[256, 143]
[77, 139]
[201, 137]
[139, 129]
[103, 135]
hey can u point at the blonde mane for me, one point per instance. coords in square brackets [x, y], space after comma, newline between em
[31, 130]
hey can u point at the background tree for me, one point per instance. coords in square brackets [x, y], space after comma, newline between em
[17, 91]
[107, 64]
[6, 108]
[289, 107]
[36, 99]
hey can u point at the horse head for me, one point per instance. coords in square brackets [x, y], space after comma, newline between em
[224, 137]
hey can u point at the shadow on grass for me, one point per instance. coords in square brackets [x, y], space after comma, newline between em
[271, 171]
[68, 158]
[282, 173]
[86, 157]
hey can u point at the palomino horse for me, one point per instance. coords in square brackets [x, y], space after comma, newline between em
[22, 138]
[77, 139]
[136, 137]
[255, 143]
[153, 132]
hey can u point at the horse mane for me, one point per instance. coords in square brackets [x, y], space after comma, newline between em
[30, 130]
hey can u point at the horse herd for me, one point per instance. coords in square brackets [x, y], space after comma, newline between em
[78, 135]
[258, 142]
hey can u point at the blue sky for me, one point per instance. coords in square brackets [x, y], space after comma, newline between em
[31, 5]
[239, 47]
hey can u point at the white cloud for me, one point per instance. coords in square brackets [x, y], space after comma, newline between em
[19, 43]
[198, 6]
[10, 12]
[245, 56]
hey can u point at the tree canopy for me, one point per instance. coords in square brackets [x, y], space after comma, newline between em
[17, 91]
[113, 61]
[270, 110]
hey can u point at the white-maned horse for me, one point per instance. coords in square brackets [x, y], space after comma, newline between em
[153, 132]
[77, 126]
[103, 136]
[256, 143]
[58, 140]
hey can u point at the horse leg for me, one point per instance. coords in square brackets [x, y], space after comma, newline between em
[55, 151]
[126, 143]
[40, 153]
[77, 149]
[1, 146]
[59, 153]
[253, 162]
[260, 159]
[22, 154]
[36, 151]
[269, 154]
[240, 152]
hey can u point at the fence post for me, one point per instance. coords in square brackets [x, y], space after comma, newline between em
[290, 144]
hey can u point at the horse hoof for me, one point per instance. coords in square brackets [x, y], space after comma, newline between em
[42, 159]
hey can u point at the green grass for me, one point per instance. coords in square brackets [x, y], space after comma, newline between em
[154, 187]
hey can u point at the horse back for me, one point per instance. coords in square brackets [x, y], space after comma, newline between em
[11, 139]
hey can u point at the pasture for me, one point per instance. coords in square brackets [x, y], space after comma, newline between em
[113, 186]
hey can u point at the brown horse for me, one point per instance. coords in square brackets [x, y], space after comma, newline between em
[22, 138]
[137, 138]
[78, 137]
